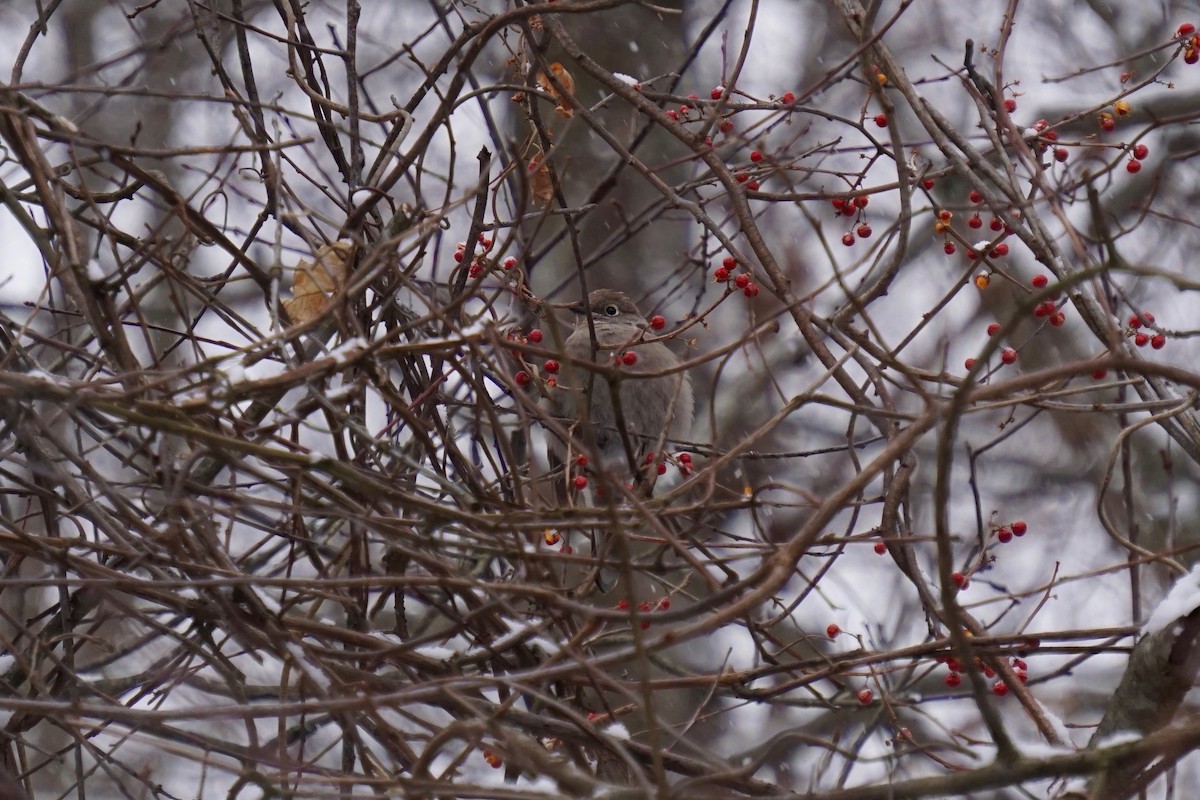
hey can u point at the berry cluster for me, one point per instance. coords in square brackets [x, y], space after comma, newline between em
[853, 207]
[1005, 533]
[1191, 42]
[724, 274]
[691, 111]
[999, 688]
[553, 538]
[662, 604]
[480, 262]
[1140, 337]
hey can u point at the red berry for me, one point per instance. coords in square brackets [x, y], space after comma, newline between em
[729, 263]
[969, 363]
[623, 604]
[741, 177]
[1061, 154]
[1004, 535]
[838, 202]
[788, 98]
[629, 358]
[832, 631]
[1140, 151]
[1099, 375]
[724, 126]
[551, 366]
[949, 248]
[741, 281]
[581, 482]
[864, 231]
[953, 664]
[1000, 688]
[1158, 341]
[995, 224]
[880, 548]
[1019, 527]
[953, 679]
[751, 290]
[685, 458]
[862, 200]
[522, 378]
[1000, 250]
[1186, 29]
[1039, 281]
[753, 186]
[1022, 676]
[1010, 105]
[975, 221]
[510, 262]
[960, 581]
[1133, 166]
[848, 239]
[535, 336]
[1058, 319]
[661, 469]
[720, 275]
[865, 697]
[1141, 340]
[716, 93]
[927, 183]
[975, 197]
[755, 156]
[582, 460]
[1135, 322]
[1148, 318]
[1050, 136]
[1008, 355]
[672, 115]
[881, 120]
[658, 322]
[1107, 123]
[664, 604]
[1191, 55]
[1045, 309]
[993, 329]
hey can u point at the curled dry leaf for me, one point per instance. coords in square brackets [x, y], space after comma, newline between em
[563, 109]
[539, 181]
[315, 283]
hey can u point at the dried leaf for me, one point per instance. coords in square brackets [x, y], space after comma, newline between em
[315, 283]
[563, 109]
[540, 183]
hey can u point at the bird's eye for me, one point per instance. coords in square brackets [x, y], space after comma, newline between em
[611, 310]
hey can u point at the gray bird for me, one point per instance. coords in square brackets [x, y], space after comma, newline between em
[649, 406]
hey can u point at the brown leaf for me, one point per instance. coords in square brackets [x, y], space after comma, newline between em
[540, 183]
[314, 284]
[563, 109]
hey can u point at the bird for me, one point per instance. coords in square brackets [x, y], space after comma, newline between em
[654, 393]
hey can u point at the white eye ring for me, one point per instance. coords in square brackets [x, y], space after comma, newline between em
[611, 310]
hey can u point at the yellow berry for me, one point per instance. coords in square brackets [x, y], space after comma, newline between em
[1122, 107]
[982, 280]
